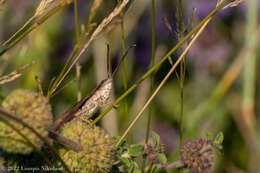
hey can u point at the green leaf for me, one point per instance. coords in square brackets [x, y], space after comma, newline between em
[154, 169]
[126, 162]
[117, 138]
[162, 158]
[119, 151]
[136, 150]
[136, 169]
[156, 139]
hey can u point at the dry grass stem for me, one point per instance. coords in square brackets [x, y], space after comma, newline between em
[13, 75]
[233, 4]
[78, 67]
[42, 6]
[94, 8]
[39, 85]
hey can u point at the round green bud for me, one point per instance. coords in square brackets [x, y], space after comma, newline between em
[33, 109]
[98, 148]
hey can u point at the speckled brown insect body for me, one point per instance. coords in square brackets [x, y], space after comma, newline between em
[99, 99]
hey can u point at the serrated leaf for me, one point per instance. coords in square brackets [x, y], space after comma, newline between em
[136, 150]
[162, 158]
[156, 139]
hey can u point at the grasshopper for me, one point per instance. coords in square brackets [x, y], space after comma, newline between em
[84, 109]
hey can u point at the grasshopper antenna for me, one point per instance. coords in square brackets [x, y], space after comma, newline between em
[121, 60]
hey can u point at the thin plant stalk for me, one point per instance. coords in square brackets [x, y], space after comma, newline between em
[126, 109]
[164, 58]
[19, 30]
[77, 52]
[250, 67]
[249, 88]
[8, 115]
[163, 81]
[148, 125]
[182, 73]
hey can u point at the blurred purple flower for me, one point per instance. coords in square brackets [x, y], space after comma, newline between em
[209, 52]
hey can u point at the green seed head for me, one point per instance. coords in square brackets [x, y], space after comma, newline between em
[31, 108]
[98, 148]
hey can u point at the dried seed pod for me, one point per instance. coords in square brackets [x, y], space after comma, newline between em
[34, 110]
[197, 155]
[98, 148]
